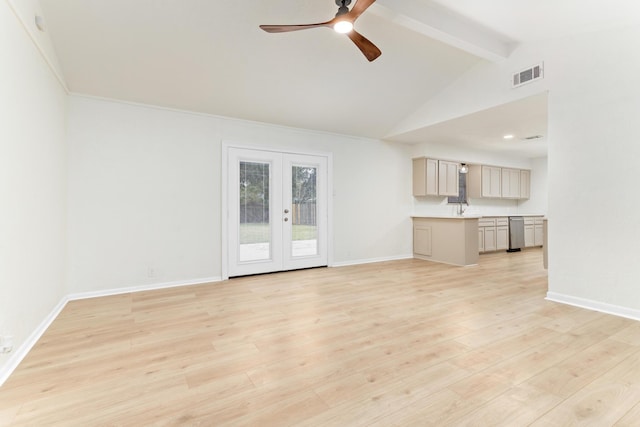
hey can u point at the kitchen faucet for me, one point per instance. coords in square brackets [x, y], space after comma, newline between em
[461, 209]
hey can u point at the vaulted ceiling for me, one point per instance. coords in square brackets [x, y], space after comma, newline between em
[211, 57]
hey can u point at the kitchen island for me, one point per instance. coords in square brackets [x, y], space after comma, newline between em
[446, 239]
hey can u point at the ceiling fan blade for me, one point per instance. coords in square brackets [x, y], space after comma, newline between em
[359, 8]
[366, 47]
[287, 28]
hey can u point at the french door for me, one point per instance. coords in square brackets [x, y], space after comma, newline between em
[277, 211]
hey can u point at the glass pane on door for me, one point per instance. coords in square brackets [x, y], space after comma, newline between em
[255, 225]
[304, 211]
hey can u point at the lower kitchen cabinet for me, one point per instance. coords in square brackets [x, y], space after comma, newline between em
[493, 234]
[502, 235]
[451, 240]
[533, 232]
[529, 236]
[487, 235]
[538, 232]
[490, 239]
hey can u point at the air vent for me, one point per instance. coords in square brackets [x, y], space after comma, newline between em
[528, 75]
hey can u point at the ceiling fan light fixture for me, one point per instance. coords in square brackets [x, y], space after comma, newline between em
[343, 27]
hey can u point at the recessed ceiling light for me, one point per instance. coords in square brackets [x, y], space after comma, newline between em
[508, 136]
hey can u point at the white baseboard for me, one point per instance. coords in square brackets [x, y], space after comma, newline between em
[616, 310]
[141, 288]
[370, 260]
[19, 354]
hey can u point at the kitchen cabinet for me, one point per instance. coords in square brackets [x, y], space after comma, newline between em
[510, 183]
[538, 232]
[529, 232]
[451, 240]
[487, 235]
[491, 181]
[493, 234]
[533, 231]
[425, 177]
[484, 181]
[422, 239]
[432, 177]
[525, 184]
[447, 178]
[495, 182]
[502, 234]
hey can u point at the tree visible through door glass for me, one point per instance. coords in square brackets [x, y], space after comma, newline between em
[255, 226]
[304, 215]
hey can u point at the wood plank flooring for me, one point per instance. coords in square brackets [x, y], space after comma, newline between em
[403, 343]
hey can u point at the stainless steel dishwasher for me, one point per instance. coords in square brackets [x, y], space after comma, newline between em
[516, 233]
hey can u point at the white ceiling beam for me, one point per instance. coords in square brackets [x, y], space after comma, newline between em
[441, 24]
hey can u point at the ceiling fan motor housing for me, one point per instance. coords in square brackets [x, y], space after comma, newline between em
[343, 2]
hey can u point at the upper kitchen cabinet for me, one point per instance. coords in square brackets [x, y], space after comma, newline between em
[448, 178]
[499, 183]
[525, 184]
[425, 177]
[433, 177]
[510, 183]
[484, 181]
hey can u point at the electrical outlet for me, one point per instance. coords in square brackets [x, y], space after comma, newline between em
[6, 344]
[151, 272]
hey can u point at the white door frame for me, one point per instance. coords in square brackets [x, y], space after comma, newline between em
[225, 196]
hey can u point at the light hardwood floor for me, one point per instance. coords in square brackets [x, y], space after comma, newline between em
[403, 343]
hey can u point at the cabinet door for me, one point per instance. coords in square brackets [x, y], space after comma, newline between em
[491, 181]
[506, 183]
[447, 178]
[529, 236]
[481, 239]
[502, 238]
[510, 183]
[422, 240]
[489, 239]
[538, 235]
[425, 177]
[525, 184]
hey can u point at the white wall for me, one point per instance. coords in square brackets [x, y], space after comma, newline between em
[32, 184]
[145, 191]
[594, 123]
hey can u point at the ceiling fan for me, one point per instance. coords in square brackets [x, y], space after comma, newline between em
[342, 23]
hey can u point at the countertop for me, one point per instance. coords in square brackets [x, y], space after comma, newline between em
[472, 216]
[448, 216]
